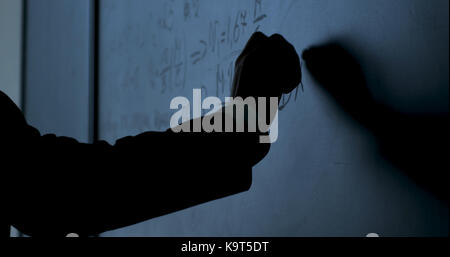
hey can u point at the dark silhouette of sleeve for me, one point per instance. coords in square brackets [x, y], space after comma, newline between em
[56, 185]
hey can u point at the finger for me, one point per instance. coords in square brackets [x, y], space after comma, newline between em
[287, 62]
[256, 40]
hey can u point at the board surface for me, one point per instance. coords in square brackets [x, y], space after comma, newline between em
[324, 176]
[57, 67]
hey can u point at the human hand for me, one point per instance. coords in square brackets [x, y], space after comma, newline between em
[267, 67]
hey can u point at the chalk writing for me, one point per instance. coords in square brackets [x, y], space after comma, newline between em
[166, 21]
[174, 66]
[190, 9]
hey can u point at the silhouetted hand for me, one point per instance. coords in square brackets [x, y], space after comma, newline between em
[268, 66]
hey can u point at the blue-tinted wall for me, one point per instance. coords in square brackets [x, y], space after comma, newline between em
[58, 67]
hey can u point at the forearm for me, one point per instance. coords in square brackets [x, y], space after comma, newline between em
[91, 188]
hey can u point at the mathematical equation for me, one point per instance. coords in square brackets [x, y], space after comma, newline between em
[217, 49]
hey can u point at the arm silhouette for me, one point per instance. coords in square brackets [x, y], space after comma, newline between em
[57, 185]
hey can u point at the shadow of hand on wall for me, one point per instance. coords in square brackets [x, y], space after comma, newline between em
[417, 144]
